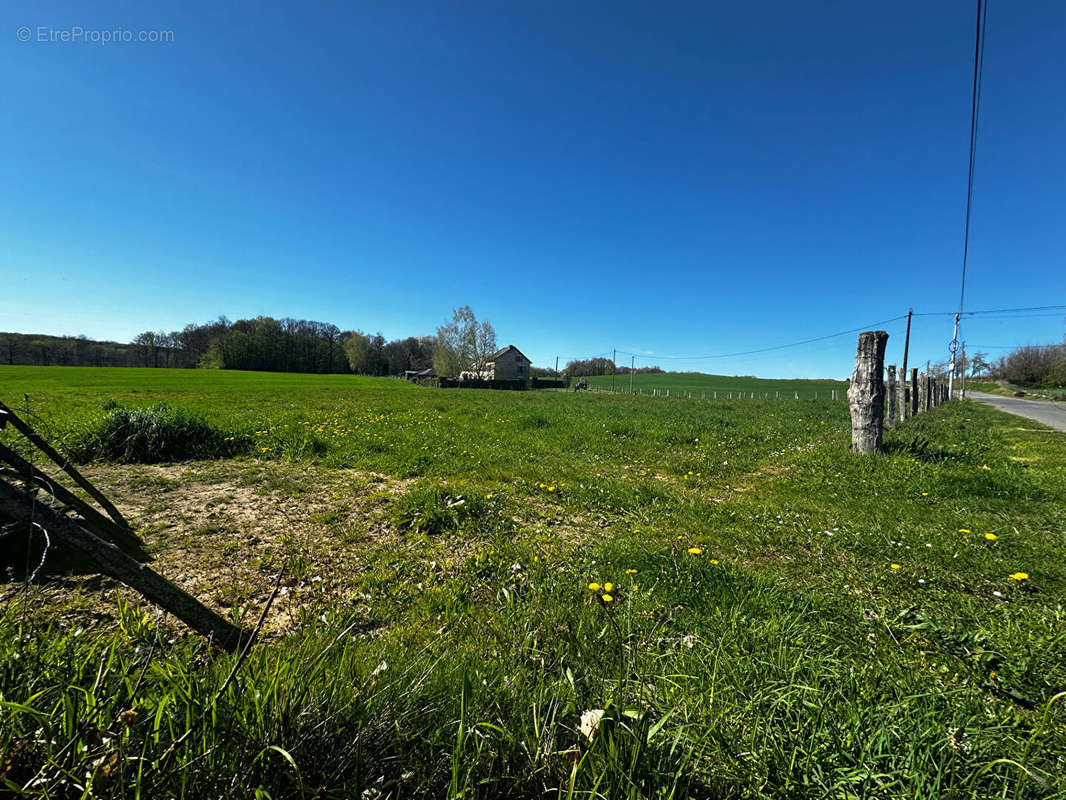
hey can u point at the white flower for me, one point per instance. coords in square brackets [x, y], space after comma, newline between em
[590, 722]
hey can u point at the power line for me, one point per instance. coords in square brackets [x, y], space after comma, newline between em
[989, 311]
[1024, 312]
[766, 349]
[975, 115]
[1009, 346]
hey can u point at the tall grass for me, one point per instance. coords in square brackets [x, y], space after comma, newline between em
[154, 434]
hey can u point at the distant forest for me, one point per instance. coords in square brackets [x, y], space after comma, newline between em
[263, 343]
[604, 366]
[274, 345]
[297, 345]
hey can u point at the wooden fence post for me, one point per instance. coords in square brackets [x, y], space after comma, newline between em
[914, 392]
[866, 394]
[890, 416]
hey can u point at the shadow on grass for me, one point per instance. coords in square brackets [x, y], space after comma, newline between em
[922, 449]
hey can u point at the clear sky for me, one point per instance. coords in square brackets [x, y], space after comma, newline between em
[664, 179]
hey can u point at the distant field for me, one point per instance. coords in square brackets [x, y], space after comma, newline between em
[699, 382]
[756, 611]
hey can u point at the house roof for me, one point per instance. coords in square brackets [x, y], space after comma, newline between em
[505, 350]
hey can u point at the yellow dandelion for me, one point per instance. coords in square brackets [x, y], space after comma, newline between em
[895, 566]
[714, 560]
[606, 598]
[594, 587]
[631, 572]
[607, 587]
[991, 537]
[925, 494]
[695, 550]
[551, 488]
[488, 497]
[965, 530]
[1019, 576]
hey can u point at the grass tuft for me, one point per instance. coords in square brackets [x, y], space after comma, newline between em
[434, 509]
[154, 434]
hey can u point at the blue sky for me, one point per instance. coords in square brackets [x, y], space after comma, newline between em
[685, 179]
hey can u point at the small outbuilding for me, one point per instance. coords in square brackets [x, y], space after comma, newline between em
[418, 374]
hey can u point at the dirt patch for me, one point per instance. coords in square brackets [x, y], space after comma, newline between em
[224, 530]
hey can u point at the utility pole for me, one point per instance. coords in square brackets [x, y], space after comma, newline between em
[614, 369]
[954, 350]
[962, 375]
[907, 341]
[632, 364]
[906, 352]
[557, 366]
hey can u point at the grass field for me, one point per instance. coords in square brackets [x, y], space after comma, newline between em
[1009, 390]
[784, 619]
[698, 382]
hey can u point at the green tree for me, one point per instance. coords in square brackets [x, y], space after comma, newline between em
[463, 344]
[358, 349]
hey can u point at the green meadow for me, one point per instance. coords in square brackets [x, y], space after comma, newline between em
[543, 594]
[700, 384]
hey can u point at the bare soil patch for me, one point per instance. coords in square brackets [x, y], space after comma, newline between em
[224, 530]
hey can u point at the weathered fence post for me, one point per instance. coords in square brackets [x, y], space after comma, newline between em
[890, 416]
[866, 394]
[914, 393]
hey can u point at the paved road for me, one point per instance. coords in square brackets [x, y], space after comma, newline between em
[1050, 413]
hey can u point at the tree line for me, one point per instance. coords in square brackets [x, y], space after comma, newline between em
[1030, 365]
[591, 367]
[1033, 366]
[65, 351]
[270, 345]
